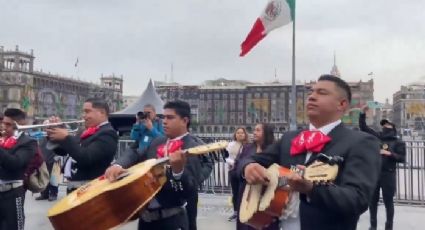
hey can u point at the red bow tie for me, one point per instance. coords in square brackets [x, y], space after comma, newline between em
[172, 146]
[88, 132]
[309, 141]
[8, 143]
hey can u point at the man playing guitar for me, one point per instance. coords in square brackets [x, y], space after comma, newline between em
[167, 210]
[337, 206]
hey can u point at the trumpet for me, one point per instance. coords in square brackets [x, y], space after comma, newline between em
[49, 145]
[48, 125]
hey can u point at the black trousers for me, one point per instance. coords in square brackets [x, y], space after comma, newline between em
[12, 209]
[192, 211]
[387, 182]
[235, 184]
[176, 222]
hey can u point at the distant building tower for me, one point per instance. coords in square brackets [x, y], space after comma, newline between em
[16, 60]
[115, 85]
[334, 70]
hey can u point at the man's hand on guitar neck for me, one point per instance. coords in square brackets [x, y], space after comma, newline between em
[255, 174]
[177, 161]
[299, 184]
[113, 172]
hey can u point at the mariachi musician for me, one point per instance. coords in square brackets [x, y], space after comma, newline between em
[93, 151]
[16, 152]
[167, 210]
[332, 207]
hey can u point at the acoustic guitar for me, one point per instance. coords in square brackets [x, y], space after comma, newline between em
[261, 205]
[100, 204]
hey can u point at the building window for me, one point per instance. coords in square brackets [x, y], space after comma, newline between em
[240, 105]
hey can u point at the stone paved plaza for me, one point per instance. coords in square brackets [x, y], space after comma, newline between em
[214, 210]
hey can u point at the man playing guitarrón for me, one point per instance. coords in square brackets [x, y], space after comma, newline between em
[331, 207]
[167, 210]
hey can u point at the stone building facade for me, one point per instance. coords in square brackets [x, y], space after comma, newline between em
[409, 108]
[43, 94]
[220, 108]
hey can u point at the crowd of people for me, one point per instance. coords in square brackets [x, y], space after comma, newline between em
[369, 162]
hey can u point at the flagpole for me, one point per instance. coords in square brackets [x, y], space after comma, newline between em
[293, 115]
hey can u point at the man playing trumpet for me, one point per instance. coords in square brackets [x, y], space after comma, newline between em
[16, 152]
[93, 151]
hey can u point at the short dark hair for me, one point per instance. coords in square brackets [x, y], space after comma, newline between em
[99, 104]
[15, 114]
[339, 83]
[182, 109]
[268, 135]
[149, 106]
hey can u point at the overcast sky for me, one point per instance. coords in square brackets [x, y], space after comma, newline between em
[140, 40]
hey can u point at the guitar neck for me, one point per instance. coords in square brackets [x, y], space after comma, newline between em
[198, 150]
[165, 160]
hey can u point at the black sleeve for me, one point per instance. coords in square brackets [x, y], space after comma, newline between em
[60, 151]
[265, 158]
[22, 156]
[207, 166]
[104, 146]
[131, 157]
[356, 180]
[363, 126]
[399, 153]
[207, 163]
[187, 185]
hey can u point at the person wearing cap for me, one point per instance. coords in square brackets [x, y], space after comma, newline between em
[393, 151]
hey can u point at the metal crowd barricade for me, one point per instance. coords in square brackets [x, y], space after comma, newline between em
[410, 175]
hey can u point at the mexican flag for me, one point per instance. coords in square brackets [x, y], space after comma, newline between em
[277, 13]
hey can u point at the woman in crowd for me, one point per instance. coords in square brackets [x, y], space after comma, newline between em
[263, 137]
[240, 138]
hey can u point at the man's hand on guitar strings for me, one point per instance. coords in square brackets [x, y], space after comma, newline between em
[297, 183]
[113, 172]
[177, 161]
[256, 174]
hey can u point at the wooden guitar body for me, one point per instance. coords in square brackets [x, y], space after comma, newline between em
[104, 205]
[261, 205]
[100, 204]
[259, 211]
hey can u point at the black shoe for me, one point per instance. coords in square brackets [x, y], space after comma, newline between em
[372, 228]
[41, 197]
[233, 217]
[53, 198]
